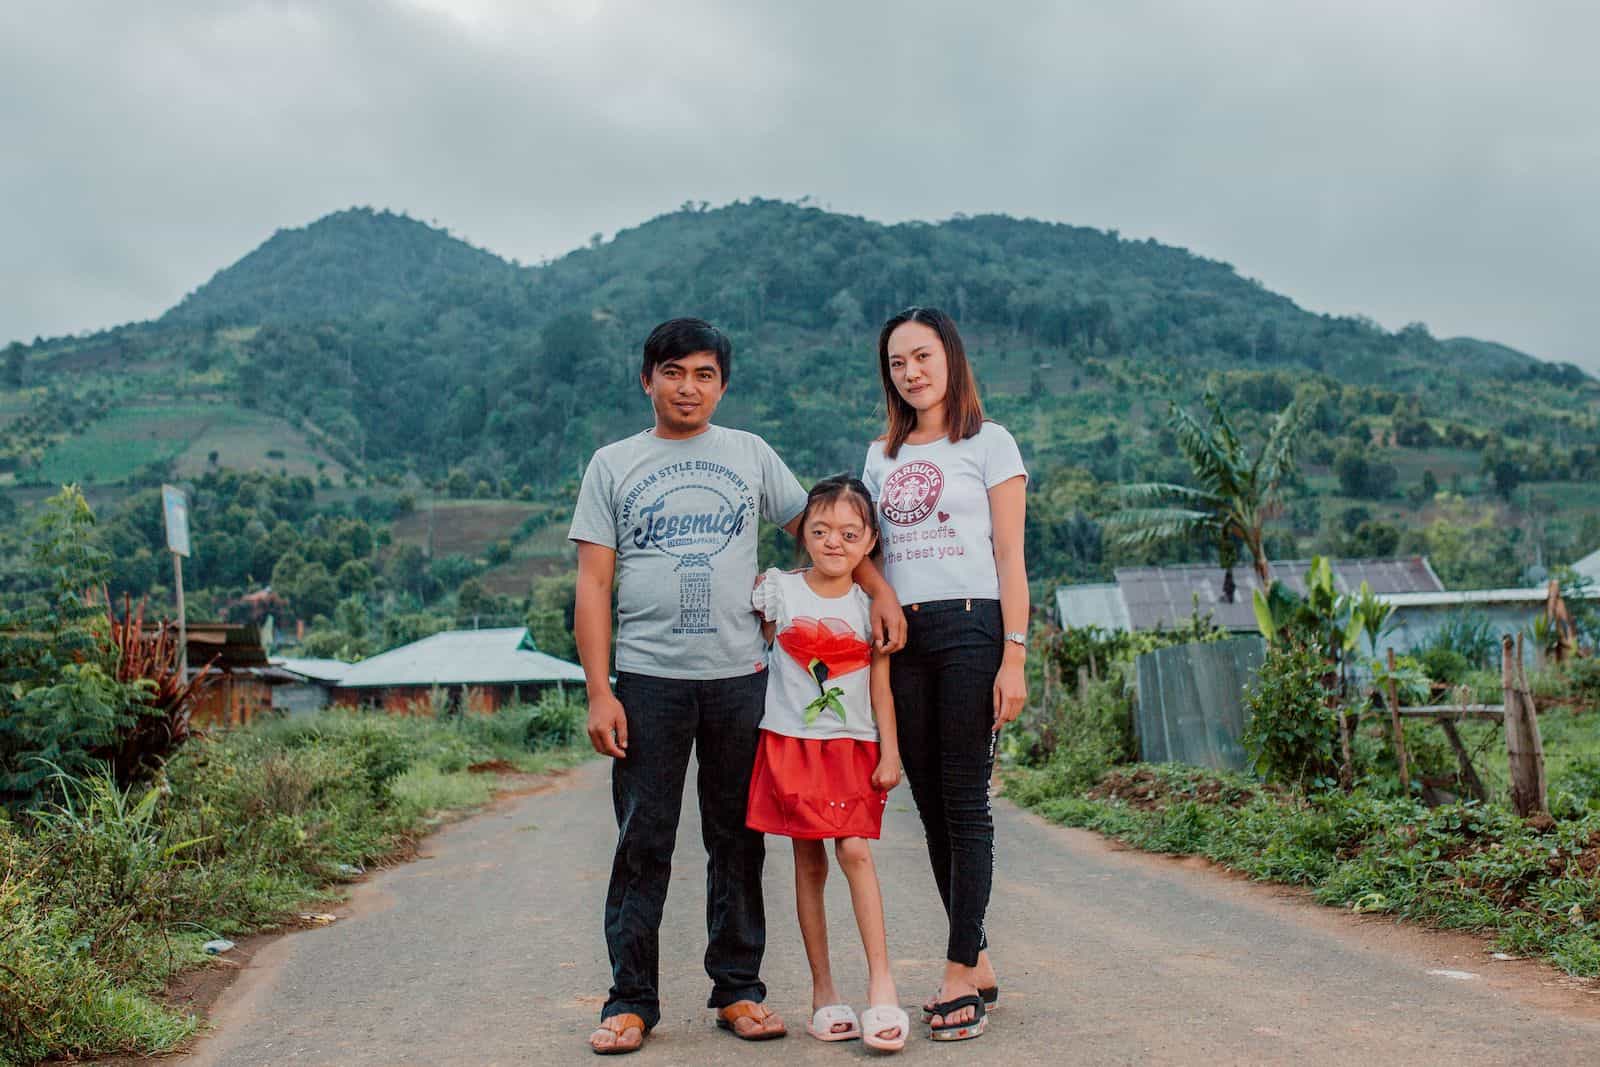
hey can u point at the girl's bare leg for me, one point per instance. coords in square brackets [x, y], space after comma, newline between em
[855, 860]
[810, 876]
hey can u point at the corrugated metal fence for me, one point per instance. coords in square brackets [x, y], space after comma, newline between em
[1190, 706]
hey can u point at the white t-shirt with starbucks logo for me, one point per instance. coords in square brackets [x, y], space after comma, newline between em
[933, 513]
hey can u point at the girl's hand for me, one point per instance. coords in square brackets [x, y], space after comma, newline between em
[887, 776]
[1010, 691]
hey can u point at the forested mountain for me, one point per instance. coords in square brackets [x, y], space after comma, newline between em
[348, 264]
[371, 350]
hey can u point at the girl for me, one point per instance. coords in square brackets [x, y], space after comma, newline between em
[823, 770]
[949, 486]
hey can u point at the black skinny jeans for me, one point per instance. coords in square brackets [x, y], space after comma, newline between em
[667, 717]
[943, 684]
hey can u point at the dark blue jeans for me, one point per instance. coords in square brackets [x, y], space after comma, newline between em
[943, 684]
[667, 717]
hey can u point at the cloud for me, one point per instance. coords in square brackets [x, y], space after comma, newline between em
[1432, 161]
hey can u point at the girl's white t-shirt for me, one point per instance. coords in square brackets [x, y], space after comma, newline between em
[820, 664]
[933, 513]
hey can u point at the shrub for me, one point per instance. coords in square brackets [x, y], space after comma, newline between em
[557, 721]
[1583, 676]
[1444, 664]
[1469, 633]
[1290, 730]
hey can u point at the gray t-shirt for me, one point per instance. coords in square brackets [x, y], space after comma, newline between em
[682, 516]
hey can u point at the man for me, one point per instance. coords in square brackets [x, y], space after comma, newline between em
[670, 516]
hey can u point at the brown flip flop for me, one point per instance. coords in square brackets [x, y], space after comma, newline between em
[619, 1025]
[758, 1014]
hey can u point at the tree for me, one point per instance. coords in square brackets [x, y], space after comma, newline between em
[1235, 495]
[1360, 477]
[16, 364]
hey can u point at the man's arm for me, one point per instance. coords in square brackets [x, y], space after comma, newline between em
[608, 723]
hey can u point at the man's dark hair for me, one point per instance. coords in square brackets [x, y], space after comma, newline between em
[677, 338]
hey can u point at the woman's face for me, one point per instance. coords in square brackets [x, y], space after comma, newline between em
[918, 366]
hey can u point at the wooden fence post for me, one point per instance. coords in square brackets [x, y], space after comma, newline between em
[1524, 747]
[1534, 735]
[1399, 734]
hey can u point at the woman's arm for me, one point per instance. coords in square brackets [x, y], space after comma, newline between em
[887, 774]
[1007, 512]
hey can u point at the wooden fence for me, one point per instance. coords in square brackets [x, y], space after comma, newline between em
[1524, 745]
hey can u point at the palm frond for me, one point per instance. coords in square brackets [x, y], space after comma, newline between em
[1151, 492]
[1277, 455]
[1144, 526]
[1214, 459]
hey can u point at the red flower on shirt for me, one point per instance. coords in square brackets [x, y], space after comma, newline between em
[826, 648]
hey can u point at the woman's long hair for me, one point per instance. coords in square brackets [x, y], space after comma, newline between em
[963, 410]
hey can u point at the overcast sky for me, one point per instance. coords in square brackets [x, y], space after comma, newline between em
[1410, 161]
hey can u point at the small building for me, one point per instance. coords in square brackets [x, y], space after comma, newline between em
[1420, 617]
[238, 687]
[312, 687]
[1166, 598]
[470, 671]
[1150, 598]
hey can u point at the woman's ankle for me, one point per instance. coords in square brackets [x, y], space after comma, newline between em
[959, 977]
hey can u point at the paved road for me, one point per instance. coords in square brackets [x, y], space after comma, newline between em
[488, 951]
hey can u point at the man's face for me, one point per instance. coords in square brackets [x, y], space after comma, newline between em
[684, 393]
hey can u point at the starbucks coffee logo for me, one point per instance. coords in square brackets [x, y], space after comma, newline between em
[911, 493]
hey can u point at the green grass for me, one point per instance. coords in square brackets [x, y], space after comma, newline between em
[467, 527]
[105, 895]
[135, 436]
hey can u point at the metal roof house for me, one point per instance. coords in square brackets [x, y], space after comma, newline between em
[1151, 598]
[471, 670]
[312, 687]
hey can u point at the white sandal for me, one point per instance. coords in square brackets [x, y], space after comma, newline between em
[830, 1015]
[880, 1017]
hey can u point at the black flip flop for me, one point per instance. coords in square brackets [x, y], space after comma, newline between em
[960, 1031]
[989, 993]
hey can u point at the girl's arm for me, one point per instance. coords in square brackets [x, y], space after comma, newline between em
[1007, 511]
[887, 774]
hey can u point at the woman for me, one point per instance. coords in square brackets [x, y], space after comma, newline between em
[949, 486]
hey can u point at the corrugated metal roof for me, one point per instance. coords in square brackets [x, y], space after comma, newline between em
[1535, 595]
[1589, 566]
[462, 657]
[1166, 597]
[1097, 604]
[320, 670]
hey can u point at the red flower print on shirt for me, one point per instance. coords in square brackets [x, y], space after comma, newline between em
[826, 648]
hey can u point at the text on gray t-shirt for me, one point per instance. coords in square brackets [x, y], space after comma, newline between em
[682, 517]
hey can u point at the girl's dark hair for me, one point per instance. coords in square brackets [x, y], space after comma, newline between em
[677, 338]
[963, 410]
[841, 487]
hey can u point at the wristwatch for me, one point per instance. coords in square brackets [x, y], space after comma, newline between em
[1017, 637]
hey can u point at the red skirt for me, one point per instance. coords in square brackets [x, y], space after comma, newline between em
[813, 788]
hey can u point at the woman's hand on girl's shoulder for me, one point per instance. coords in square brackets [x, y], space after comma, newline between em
[887, 774]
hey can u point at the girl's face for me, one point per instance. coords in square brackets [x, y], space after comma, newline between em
[837, 537]
[917, 365]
